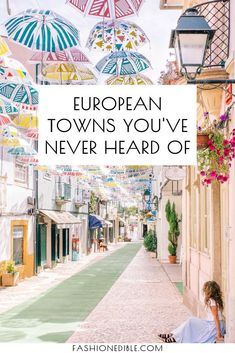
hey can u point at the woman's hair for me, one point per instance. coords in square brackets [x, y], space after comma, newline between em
[212, 290]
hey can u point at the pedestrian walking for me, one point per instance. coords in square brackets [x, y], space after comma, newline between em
[195, 330]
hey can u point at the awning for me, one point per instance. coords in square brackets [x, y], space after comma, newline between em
[61, 217]
[108, 224]
[96, 221]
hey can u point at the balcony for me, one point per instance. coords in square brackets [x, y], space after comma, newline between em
[79, 198]
[171, 4]
[62, 193]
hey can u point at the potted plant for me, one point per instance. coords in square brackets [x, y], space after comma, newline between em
[150, 241]
[214, 160]
[173, 232]
[10, 277]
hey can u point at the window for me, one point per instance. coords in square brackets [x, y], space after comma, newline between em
[21, 171]
[18, 244]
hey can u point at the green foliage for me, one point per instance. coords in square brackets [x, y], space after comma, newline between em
[10, 267]
[174, 231]
[150, 241]
[93, 202]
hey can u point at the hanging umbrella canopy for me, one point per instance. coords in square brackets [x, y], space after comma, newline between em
[22, 151]
[7, 131]
[123, 63]
[28, 160]
[32, 134]
[42, 30]
[5, 120]
[67, 73]
[13, 70]
[4, 50]
[116, 35]
[7, 107]
[26, 121]
[72, 55]
[107, 8]
[21, 94]
[129, 80]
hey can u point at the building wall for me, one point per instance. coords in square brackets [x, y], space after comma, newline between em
[14, 212]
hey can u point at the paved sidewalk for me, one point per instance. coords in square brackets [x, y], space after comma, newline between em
[142, 303]
[56, 314]
[34, 286]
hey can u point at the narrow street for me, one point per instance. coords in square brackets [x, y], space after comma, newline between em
[126, 296]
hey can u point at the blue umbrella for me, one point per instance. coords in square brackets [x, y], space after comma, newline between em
[123, 63]
[7, 107]
[19, 93]
[42, 30]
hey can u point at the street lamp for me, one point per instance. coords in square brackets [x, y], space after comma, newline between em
[191, 39]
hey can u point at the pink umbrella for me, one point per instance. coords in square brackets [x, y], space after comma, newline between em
[71, 55]
[5, 120]
[107, 8]
[32, 134]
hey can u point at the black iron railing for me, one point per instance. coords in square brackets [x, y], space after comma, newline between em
[217, 14]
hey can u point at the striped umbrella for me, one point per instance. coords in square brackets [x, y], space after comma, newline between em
[107, 8]
[116, 35]
[7, 107]
[129, 80]
[26, 150]
[72, 55]
[4, 50]
[24, 95]
[5, 120]
[123, 63]
[42, 30]
[67, 73]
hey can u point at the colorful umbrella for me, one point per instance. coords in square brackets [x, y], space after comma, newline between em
[9, 142]
[32, 134]
[116, 35]
[26, 121]
[67, 73]
[71, 55]
[13, 70]
[129, 80]
[5, 120]
[42, 30]
[7, 131]
[107, 8]
[123, 63]
[7, 107]
[28, 160]
[22, 151]
[4, 50]
[24, 95]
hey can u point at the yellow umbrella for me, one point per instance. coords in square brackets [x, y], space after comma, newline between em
[4, 50]
[26, 121]
[129, 80]
[67, 72]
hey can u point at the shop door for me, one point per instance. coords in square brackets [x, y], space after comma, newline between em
[41, 245]
[53, 242]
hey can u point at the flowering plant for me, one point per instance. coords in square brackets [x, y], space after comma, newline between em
[214, 161]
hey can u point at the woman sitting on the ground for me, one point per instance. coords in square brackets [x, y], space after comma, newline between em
[195, 330]
[102, 245]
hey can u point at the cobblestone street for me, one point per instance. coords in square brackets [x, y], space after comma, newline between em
[139, 305]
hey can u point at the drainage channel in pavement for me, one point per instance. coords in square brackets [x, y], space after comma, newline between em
[54, 316]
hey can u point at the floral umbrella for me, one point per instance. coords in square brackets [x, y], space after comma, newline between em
[107, 8]
[129, 80]
[63, 73]
[123, 63]
[116, 35]
[24, 95]
[42, 30]
[5, 120]
[72, 55]
[4, 50]
[7, 107]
